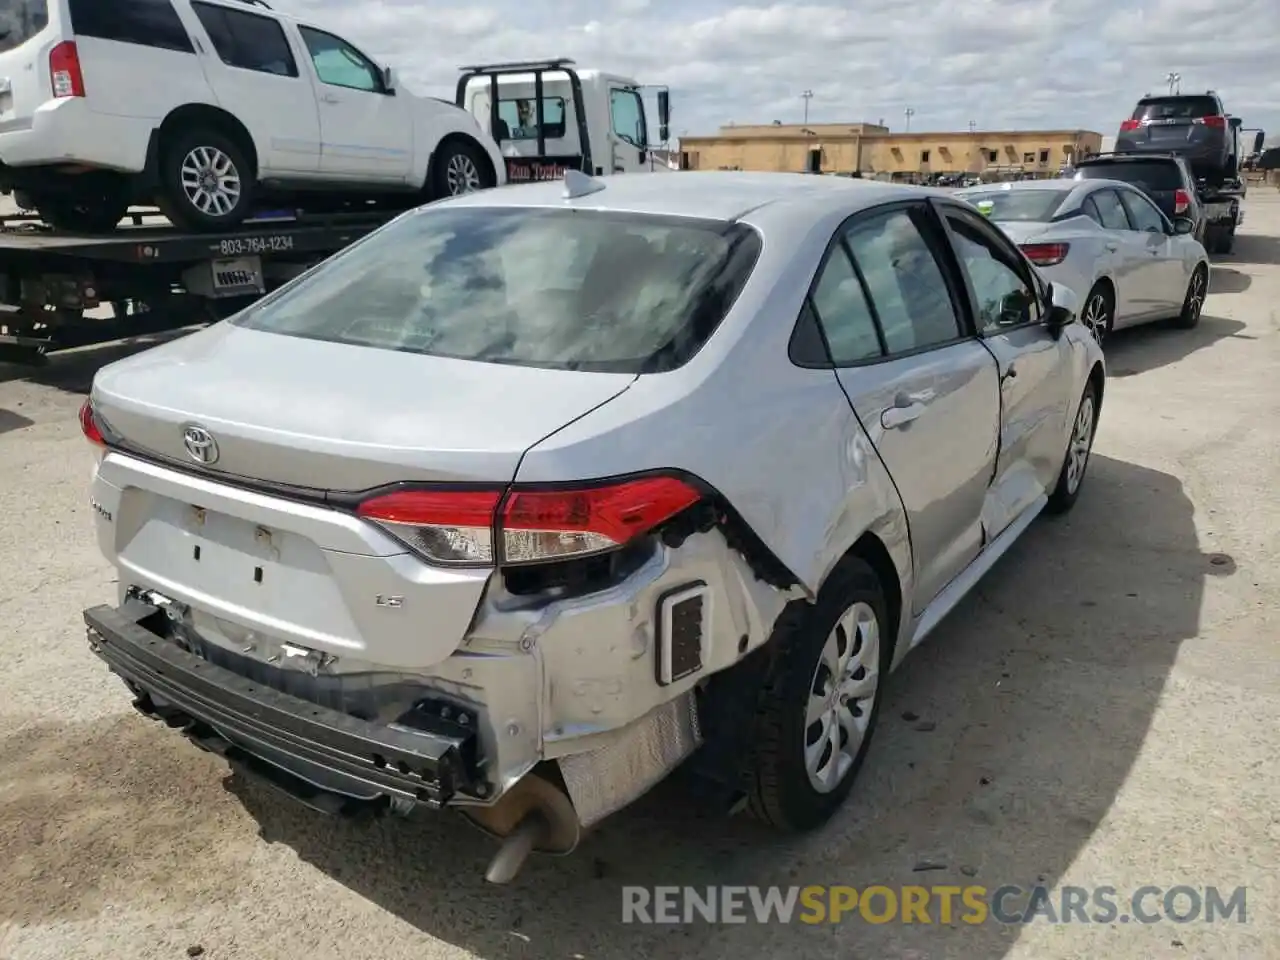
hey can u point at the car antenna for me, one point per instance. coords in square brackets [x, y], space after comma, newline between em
[578, 184]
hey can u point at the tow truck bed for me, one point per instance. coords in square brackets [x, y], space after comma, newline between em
[52, 281]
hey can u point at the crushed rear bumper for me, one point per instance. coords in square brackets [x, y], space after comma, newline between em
[318, 751]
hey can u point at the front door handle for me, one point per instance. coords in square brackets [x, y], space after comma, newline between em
[896, 417]
[329, 98]
[1112, 247]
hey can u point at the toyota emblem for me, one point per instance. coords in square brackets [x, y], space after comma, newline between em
[201, 447]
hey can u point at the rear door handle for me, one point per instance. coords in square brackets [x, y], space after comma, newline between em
[329, 98]
[900, 416]
[1010, 373]
[1112, 247]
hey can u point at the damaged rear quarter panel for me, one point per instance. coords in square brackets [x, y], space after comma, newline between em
[780, 443]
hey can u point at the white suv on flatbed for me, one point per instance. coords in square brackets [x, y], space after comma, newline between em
[203, 106]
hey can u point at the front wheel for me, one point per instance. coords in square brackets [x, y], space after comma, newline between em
[819, 708]
[1193, 302]
[460, 168]
[206, 182]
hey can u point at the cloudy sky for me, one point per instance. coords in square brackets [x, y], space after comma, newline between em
[1000, 63]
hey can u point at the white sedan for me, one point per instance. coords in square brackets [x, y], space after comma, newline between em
[1106, 241]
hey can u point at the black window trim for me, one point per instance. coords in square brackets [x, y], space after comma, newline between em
[1013, 258]
[938, 244]
[198, 5]
[377, 71]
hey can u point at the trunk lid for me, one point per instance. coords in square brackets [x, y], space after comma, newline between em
[332, 416]
[29, 29]
[1022, 231]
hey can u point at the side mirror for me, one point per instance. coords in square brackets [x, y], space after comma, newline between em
[388, 80]
[1064, 306]
[664, 114]
[1183, 226]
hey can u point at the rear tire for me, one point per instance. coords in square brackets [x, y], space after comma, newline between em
[206, 181]
[460, 167]
[1099, 312]
[1075, 462]
[824, 691]
[1193, 303]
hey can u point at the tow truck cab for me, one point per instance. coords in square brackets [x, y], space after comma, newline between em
[549, 117]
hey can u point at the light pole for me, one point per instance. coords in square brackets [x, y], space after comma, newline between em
[1175, 82]
[908, 113]
[806, 96]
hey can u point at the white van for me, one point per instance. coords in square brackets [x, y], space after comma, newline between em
[204, 106]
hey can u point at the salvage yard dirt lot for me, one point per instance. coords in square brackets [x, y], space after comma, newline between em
[1104, 711]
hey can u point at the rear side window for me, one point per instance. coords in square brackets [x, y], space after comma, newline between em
[148, 23]
[562, 289]
[908, 291]
[1110, 211]
[1144, 174]
[20, 20]
[247, 41]
[1176, 108]
[841, 308]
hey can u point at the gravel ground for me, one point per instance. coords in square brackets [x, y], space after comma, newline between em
[1103, 711]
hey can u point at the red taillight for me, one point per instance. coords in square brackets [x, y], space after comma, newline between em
[1219, 123]
[1127, 125]
[1045, 254]
[89, 425]
[1181, 201]
[64, 70]
[449, 526]
[458, 526]
[552, 524]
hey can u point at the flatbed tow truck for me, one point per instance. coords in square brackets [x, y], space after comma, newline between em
[149, 276]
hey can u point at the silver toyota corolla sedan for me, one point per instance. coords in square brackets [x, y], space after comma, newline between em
[1108, 242]
[532, 495]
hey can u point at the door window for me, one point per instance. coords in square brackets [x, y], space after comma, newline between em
[1142, 212]
[908, 291]
[247, 40]
[628, 116]
[1110, 210]
[840, 307]
[1003, 294]
[148, 23]
[339, 64]
[20, 20]
[1090, 210]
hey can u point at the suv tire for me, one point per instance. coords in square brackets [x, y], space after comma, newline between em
[800, 772]
[459, 167]
[206, 182]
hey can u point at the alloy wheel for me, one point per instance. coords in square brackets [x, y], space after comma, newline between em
[1081, 444]
[462, 175]
[211, 181]
[845, 685]
[1094, 316]
[1195, 295]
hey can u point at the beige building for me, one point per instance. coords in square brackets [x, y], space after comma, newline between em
[876, 152]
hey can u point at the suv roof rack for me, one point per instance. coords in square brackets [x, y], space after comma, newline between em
[517, 66]
[1130, 155]
[257, 3]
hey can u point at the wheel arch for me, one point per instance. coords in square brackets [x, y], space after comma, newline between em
[458, 137]
[204, 115]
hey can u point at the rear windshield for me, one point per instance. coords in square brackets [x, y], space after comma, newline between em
[1033, 206]
[564, 289]
[20, 20]
[1147, 175]
[1175, 108]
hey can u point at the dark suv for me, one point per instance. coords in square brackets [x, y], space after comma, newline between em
[1165, 178]
[1194, 126]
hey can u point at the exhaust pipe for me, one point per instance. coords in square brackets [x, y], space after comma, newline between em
[535, 814]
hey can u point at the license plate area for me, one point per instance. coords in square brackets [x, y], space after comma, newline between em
[237, 276]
